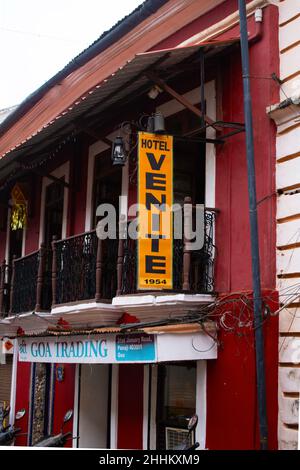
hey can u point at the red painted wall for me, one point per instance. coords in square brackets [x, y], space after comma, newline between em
[23, 400]
[130, 406]
[233, 270]
[63, 399]
[232, 422]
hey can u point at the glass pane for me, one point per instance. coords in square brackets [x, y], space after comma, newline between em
[180, 392]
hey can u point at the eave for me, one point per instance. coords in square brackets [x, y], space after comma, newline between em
[69, 90]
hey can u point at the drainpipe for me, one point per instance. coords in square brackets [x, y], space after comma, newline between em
[257, 299]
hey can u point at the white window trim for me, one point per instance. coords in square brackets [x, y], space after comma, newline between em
[96, 149]
[146, 405]
[173, 106]
[201, 403]
[114, 407]
[60, 172]
[13, 389]
[153, 399]
[75, 430]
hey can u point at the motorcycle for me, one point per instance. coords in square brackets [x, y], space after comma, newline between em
[60, 439]
[185, 445]
[8, 433]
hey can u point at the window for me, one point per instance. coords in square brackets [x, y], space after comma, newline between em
[107, 182]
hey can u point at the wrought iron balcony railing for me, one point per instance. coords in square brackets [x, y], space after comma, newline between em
[30, 282]
[193, 271]
[83, 267]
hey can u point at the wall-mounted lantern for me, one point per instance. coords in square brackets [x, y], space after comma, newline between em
[159, 123]
[118, 153]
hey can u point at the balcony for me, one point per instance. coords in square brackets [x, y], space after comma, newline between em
[84, 268]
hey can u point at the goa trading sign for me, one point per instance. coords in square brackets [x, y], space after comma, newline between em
[155, 222]
[97, 349]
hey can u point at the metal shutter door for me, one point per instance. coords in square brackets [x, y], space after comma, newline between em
[5, 379]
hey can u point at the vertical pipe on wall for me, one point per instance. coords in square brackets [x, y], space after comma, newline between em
[257, 300]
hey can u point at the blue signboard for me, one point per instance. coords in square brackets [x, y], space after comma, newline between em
[135, 348]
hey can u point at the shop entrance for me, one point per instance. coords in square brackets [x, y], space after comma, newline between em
[5, 380]
[176, 402]
[94, 406]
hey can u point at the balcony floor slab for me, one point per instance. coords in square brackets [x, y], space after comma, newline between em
[153, 306]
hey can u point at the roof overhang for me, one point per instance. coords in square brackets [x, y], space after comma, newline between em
[126, 82]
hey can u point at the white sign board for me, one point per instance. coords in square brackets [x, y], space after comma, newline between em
[120, 348]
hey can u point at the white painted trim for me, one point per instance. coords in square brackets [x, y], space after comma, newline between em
[76, 406]
[153, 399]
[123, 209]
[63, 170]
[114, 407]
[201, 403]
[227, 23]
[13, 389]
[24, 240]
[210, 149]
[146, 405]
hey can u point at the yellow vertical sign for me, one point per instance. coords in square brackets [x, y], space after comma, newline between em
[155, 221]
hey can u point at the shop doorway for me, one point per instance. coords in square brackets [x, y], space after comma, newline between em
[94, 406]
[5, 380]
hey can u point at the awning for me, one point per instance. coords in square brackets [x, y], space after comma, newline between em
[176, 328]
[126, 82]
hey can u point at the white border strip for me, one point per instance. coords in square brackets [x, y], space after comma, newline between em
[13, 389]
[114, 407]
[153, 399]
[76, 406]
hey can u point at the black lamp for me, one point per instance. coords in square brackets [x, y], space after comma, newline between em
[159, 123]
[118, 153]
[150, 124]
